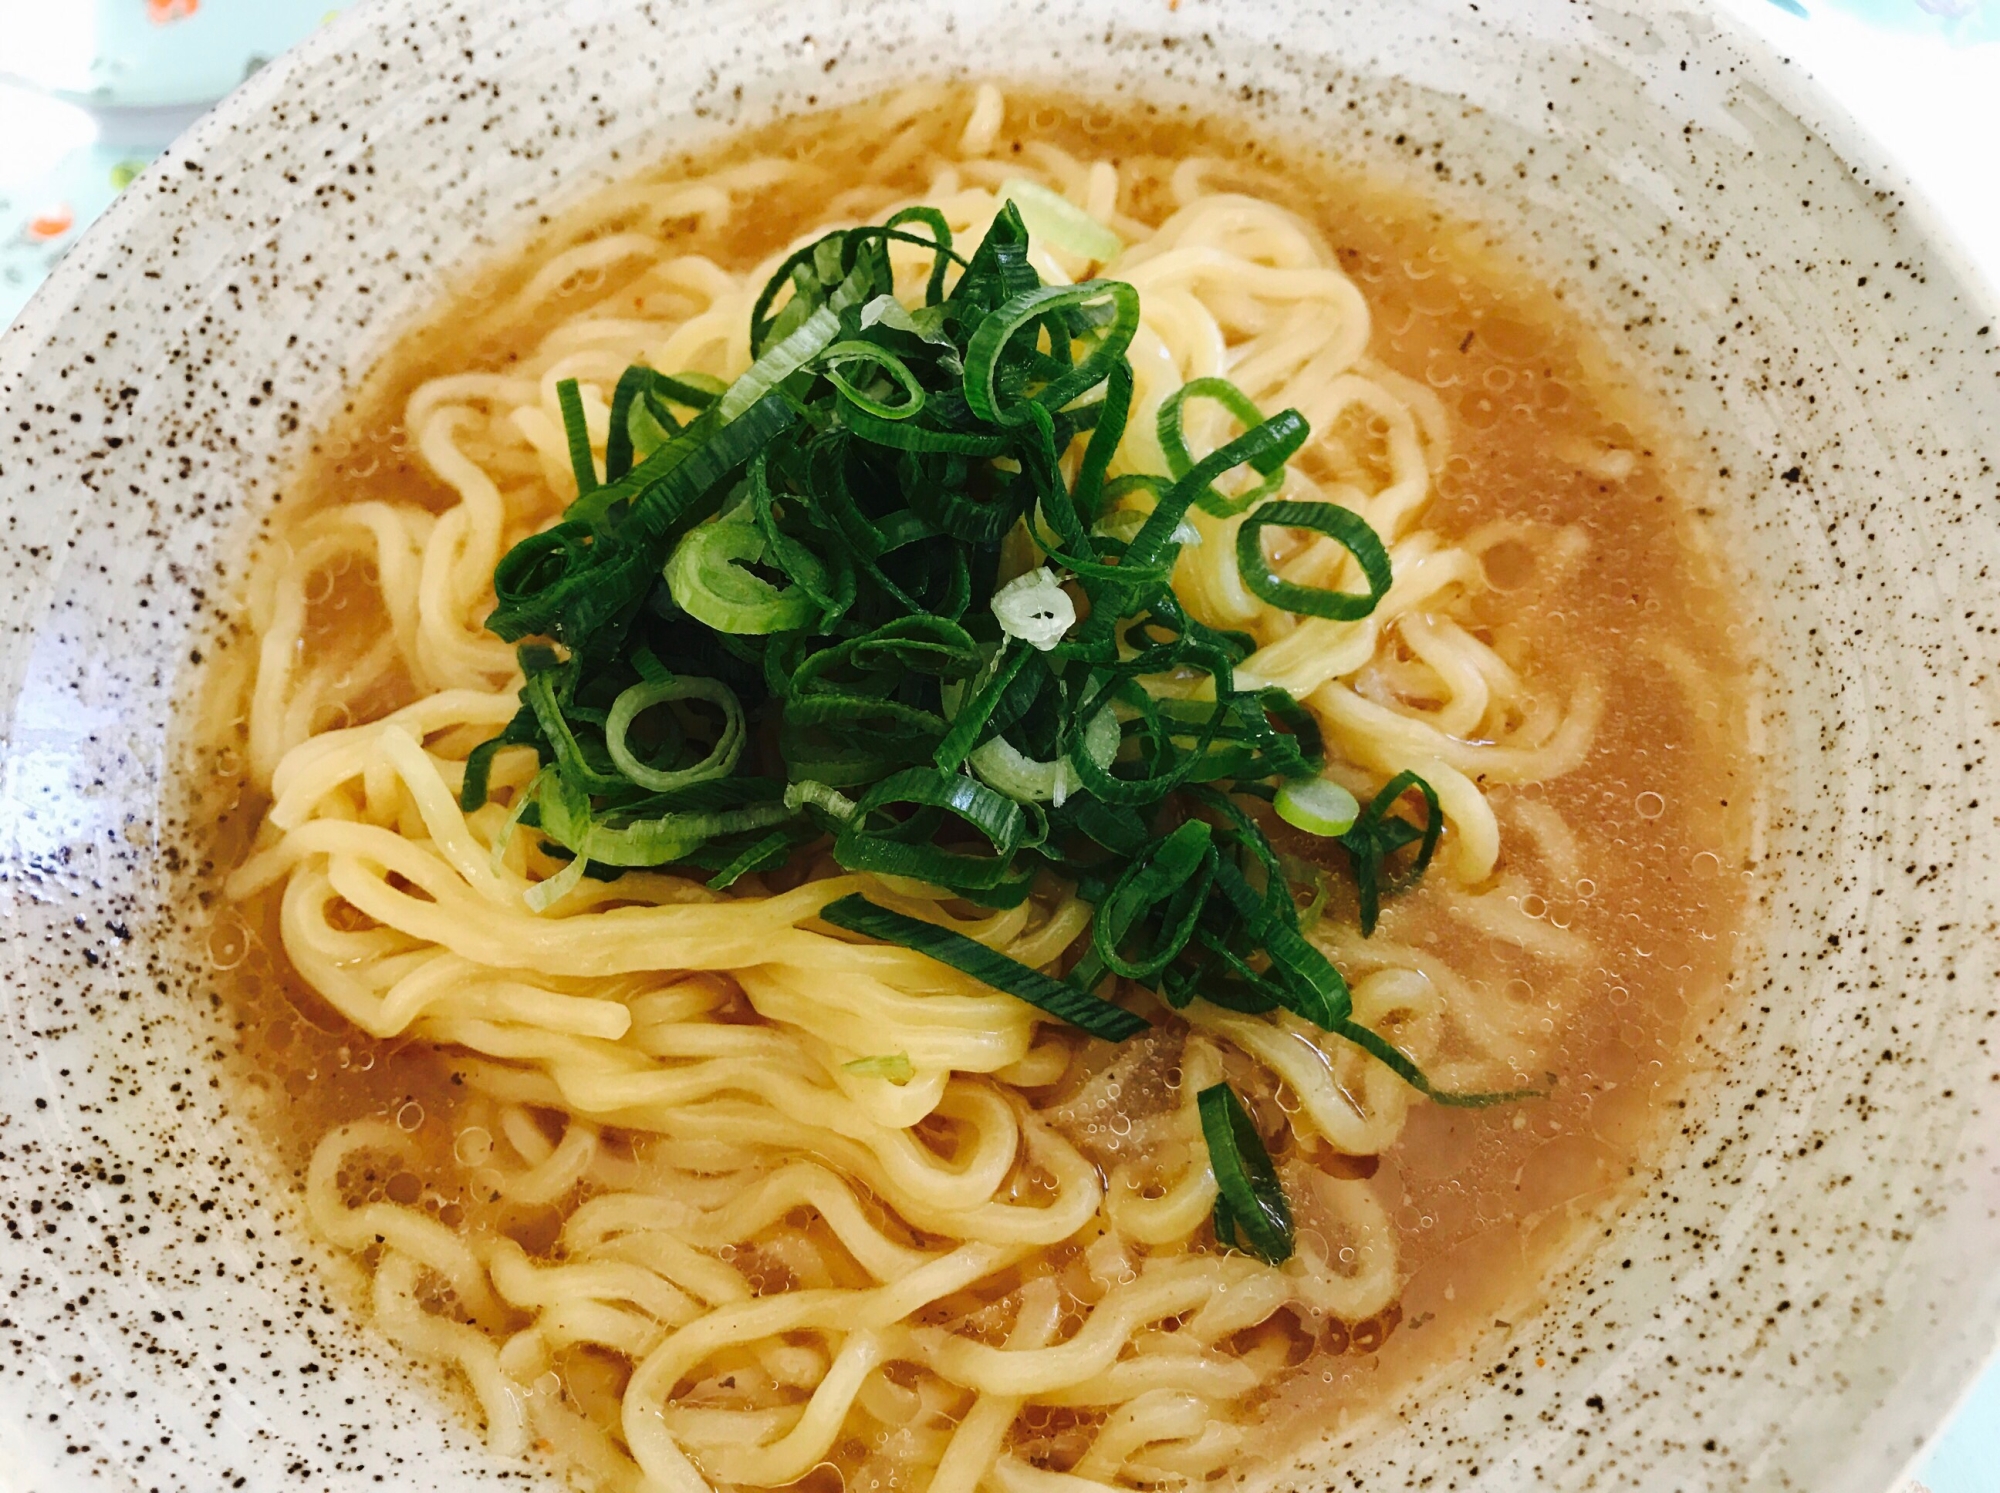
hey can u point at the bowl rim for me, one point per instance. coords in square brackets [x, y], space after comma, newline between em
[1804, 97]
[94, 256]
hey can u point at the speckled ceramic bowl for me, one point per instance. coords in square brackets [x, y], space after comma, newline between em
[1808, 1281]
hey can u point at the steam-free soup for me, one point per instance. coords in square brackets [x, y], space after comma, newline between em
[745, 1077]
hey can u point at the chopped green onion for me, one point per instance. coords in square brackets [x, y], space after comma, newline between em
[1398, 1062]
[545, 894]
[1346, 528]
[764, 854]
[927, 323]
[1377, 834]
[570, 397]
[1168, 881]
[829, 801]
[1275, 440]
[867, 843]
[857, 353]
[1005, 766]
[710, 580]
[1100, 1018]
[1318, 806]
[971, 720]
[894, 1067]
[1054, 218]
[655, 841]
[719, 763]
[779, 363]
[1036, 308]
[1035, 609]
[1251, 1210]
[1173, 442]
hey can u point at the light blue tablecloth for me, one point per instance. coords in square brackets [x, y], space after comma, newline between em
[90, 90]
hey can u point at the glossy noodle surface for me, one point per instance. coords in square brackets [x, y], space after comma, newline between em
[645, 1170]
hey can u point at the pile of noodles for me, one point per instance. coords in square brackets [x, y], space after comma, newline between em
[770, 1261]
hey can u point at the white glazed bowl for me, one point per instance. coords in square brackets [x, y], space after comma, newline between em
[1808, 1279]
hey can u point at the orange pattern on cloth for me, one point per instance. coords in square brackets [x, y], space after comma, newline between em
[162, 12]
[53, 224]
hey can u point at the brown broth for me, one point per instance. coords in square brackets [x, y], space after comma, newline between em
[1485, 1201]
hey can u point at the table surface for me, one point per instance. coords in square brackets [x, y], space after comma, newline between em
[91, 90]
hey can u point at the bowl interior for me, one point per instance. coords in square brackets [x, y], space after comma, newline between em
[1800, 1290]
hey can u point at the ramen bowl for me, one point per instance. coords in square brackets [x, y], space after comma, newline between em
[1795, 1289]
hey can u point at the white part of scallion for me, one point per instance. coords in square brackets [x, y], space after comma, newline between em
[1035, 609]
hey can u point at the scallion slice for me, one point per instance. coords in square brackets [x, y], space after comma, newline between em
[1346, 528]
[1100, 1018]
[1250, 1210]
[1034, 608]
[891, 1067]
[1377, 834]
[1173, 441]
[709, 578]
[1053, 217]
[577, 432]
[1318, 806]
[631, 703]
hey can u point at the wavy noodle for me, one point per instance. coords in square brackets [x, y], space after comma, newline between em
[765, 1259]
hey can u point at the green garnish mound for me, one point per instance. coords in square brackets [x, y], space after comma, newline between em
[772, 620]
